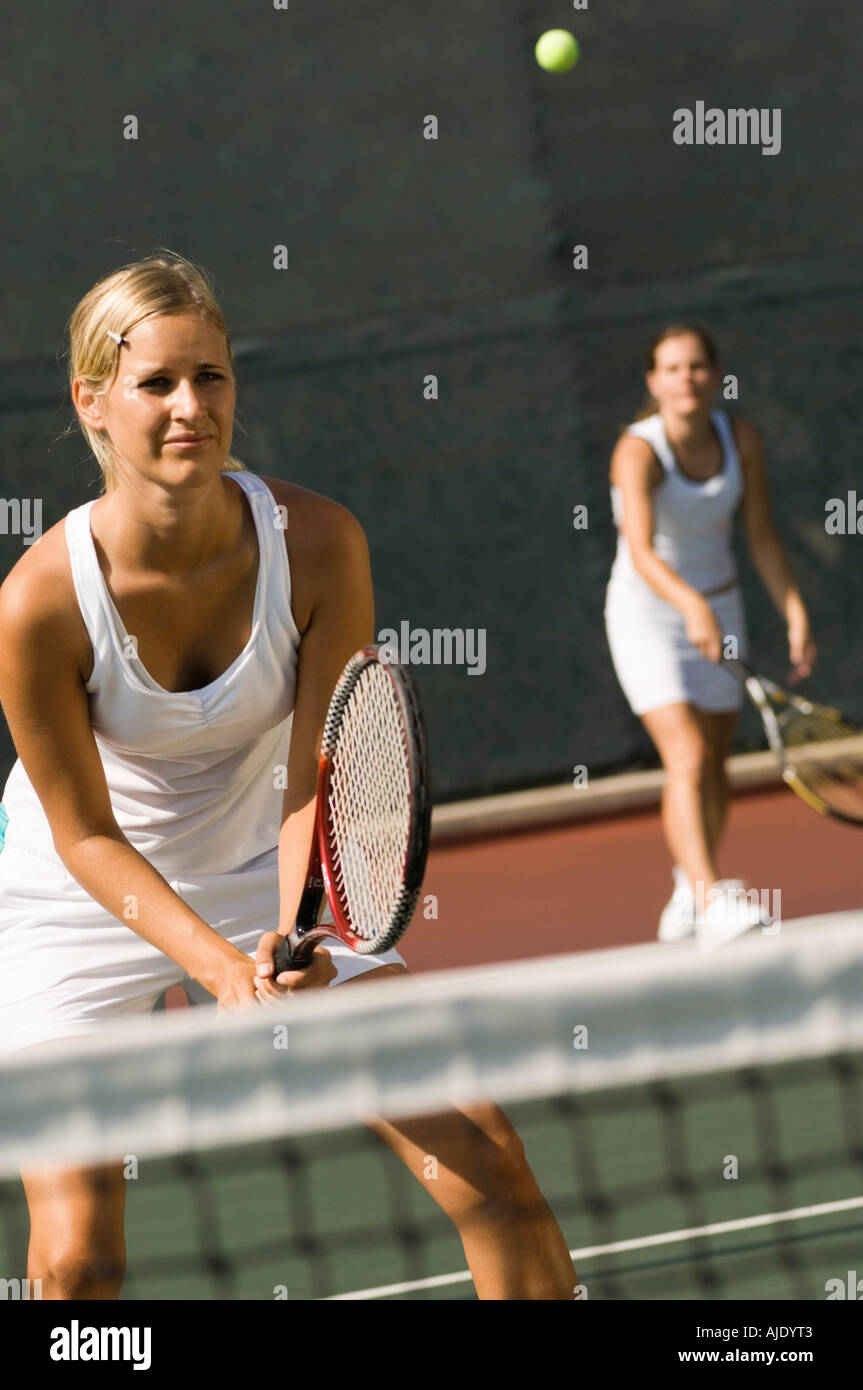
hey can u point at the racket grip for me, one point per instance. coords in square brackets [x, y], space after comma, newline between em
[287, 959]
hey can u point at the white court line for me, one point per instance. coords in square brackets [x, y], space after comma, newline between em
[718, 1228]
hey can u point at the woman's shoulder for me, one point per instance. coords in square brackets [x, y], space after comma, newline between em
[42, 571]
[744, 433]
[319, 520]
[326, 545]
[38, 596]
[644, 427]
[636, 457]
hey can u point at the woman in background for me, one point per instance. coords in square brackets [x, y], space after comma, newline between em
[674, 606]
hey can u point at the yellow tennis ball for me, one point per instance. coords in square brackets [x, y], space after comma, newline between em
[557, 50]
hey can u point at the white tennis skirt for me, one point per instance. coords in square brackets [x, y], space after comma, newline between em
[654, 661]
[69, 967]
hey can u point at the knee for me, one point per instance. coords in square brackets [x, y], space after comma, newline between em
[690, 759]
[510, 1173]
[502, 1185]
[72, 1272]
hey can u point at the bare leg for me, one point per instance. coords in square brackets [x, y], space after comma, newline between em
[687, 758]
[77, 1242]
[718, 731]
[513, 1245]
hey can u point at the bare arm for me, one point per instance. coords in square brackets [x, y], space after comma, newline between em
[45, 703]
[334, 609]
[340, 620]
[767, 551]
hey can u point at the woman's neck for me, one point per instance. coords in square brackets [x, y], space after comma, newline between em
[690, 432]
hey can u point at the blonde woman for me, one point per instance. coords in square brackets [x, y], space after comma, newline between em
[167, 646]
[678, 475]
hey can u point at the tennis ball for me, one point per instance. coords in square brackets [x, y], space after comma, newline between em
[557, 50]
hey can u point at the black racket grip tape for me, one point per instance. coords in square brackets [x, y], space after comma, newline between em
[286, 959]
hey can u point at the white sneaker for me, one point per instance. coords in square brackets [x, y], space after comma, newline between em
[678, 916]
[727, 913]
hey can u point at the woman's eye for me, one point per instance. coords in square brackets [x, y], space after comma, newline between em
[162, 380]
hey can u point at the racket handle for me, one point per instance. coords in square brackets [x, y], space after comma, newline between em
[287, 959]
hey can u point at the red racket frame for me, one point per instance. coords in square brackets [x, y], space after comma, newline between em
[296, 949]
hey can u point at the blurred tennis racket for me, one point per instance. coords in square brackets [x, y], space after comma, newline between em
[373, 817]
[819, 752]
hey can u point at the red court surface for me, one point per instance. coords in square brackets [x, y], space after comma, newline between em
[604, 882]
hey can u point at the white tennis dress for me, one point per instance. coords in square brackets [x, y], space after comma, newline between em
[655, 662]
[191, 779]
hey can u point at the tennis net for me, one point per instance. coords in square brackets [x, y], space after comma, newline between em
[695, 1122]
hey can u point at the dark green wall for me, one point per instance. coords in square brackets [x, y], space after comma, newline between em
[410, 258]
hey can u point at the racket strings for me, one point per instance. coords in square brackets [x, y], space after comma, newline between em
[826, 754]
[799, 729]
[370, 805]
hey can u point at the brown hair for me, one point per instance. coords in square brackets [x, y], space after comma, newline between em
[165, 283]
[674, 330]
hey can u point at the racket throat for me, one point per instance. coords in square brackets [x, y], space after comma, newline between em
[312, 903]
[295, 950]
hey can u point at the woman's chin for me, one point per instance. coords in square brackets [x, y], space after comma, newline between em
[178, 468]
[192, 461]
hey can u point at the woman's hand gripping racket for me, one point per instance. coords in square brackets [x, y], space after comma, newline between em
[819, 752]
[373, 818]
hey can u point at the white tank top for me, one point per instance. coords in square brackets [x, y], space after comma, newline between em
[691, 520]
[191, 775]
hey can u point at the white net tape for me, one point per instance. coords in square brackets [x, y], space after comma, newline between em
[194, 1079]
[370, 801]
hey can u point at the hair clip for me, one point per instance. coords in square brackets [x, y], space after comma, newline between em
[117, 337]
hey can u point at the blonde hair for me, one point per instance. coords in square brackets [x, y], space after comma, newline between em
[161, 284]
[673, 330]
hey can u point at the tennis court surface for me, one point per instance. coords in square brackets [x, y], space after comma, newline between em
[695, 1121]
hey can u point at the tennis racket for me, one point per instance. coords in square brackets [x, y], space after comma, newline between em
[373, 816]
[819, 752]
